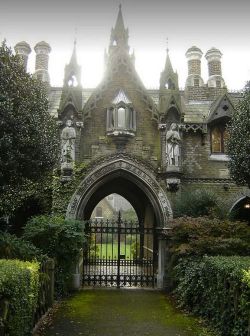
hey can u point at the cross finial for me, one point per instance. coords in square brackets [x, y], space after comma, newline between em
[167, 46]
[120, 7]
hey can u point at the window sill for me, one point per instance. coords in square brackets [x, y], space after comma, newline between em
[121, 133]
[219, 157]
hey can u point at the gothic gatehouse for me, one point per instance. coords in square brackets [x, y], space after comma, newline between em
[145, 145]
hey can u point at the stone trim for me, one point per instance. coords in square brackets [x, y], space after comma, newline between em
[138, 174]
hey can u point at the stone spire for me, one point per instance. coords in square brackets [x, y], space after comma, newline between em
[169, 78]
[72, 71]
[119, 35]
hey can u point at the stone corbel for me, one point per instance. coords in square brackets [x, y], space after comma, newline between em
[173, 184]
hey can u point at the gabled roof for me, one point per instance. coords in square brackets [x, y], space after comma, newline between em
[222, 107]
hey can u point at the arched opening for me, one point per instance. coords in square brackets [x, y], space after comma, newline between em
[131, 179]
[120, 250]
[241, 210]
[113, 205]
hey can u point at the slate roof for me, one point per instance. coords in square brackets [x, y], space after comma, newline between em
[194, 111]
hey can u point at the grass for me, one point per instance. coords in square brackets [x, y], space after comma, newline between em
[104, 251]
[124, 313]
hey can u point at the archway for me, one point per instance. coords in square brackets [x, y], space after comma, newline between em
[135, 182]
[241, 210]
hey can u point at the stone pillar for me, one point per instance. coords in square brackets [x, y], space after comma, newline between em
[42, 50]
[23, 50]
[161, 262]
[194, 55]
[213, 57]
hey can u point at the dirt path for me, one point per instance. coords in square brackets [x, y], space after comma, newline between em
[122, 313]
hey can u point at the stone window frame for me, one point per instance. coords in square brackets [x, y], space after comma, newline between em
[113, 118]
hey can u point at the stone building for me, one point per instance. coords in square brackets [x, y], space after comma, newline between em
[146, 145]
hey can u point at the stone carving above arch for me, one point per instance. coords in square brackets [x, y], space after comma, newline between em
[137, 173]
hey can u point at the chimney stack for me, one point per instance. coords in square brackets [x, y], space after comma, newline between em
[23, 50]
[42, 50]
[215, 79]
[194, 55]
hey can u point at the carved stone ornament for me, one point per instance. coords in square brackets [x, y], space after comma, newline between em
[173, 184]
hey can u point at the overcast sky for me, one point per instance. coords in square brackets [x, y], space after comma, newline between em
[224, 24]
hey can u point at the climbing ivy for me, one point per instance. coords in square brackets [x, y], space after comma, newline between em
[63, 190]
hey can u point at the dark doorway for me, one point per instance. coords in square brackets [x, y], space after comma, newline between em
[241, 210]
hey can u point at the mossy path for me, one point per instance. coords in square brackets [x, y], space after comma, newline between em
[122, 313]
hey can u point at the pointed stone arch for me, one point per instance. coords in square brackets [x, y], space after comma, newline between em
[135, 173]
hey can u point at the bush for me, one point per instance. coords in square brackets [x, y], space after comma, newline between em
[12, 247]
[218, 289]
[198, 203]
[60, 239]
[19, 284]
[200, 236]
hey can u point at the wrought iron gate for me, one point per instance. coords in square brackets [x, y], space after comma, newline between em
[119, 254]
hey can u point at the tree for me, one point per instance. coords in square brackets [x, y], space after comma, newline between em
[28, 134]
[238, 145]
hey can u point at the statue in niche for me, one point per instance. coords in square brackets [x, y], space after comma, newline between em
[68, 137]
[173, 145]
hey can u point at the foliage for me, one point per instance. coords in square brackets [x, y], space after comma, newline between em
[12, 247]
[19, 284]
[129, 215]
[200, 202]
[238, 146]
[63, 190]
[28, 134]
[60, 239]
[217, 288]
[200, 236]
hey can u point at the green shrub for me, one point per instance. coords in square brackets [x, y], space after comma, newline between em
[60, 239]
[200, 236]
[218, 289]
[12, 247]
[19, 284]
[198, 203]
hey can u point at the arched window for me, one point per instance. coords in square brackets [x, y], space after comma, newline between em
[99, 211]
[219, 136]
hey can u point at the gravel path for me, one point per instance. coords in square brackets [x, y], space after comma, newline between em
[113, 312]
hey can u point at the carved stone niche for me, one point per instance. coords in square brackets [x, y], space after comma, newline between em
[173, 184]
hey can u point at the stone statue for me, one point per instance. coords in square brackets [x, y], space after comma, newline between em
[173, 145]
[68, 137]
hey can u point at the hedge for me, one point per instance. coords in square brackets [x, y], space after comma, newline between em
[19, 285]
[12, 247]
[218, 289]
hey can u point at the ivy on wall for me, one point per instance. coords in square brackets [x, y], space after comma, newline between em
[63, 190]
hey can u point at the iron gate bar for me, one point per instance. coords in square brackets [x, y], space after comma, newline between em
[120, 267]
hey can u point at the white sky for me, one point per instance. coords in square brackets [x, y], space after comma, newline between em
[219, 23]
